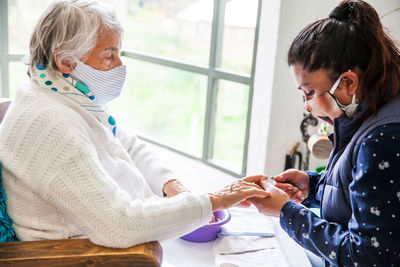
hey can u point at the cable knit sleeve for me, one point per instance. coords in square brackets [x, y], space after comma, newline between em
[153, 168]
[54, 155]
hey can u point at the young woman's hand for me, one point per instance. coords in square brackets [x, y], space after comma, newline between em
[294, 183]
[238, 192]
[272, 205]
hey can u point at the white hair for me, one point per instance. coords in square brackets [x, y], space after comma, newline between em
[70, 27]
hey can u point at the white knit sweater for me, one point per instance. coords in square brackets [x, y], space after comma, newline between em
[66, 175]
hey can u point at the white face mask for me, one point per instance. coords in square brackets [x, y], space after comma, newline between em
[105, 85]
[349, 109]
[320, 105]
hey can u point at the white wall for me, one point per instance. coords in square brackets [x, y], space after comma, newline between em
[277, 105]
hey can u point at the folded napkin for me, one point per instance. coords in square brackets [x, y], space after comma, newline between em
[265, 250]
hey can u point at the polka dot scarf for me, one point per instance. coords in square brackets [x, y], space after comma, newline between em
[78, 92]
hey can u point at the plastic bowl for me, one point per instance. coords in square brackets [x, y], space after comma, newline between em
[209, 231]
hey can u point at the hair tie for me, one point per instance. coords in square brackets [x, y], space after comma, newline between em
[342, 12]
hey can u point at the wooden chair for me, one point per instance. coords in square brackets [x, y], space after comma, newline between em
[77, 252]
[74, 252]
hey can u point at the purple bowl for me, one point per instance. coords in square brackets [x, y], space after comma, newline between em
[209, 231]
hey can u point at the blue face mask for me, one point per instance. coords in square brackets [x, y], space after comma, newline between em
[105, 85]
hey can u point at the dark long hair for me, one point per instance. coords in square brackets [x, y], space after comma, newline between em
[352, 36]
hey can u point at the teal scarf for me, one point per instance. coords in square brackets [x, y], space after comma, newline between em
[7, 233]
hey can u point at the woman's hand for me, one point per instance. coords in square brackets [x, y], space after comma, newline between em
[270, 206]
[237, 192]
[173, 188]
[296, 193]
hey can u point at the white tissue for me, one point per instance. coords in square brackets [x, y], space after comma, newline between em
[248, 220]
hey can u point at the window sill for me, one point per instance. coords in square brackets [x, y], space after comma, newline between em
[194, 174]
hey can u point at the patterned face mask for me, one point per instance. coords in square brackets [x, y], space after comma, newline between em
[105, 85]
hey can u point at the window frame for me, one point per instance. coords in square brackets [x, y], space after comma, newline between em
[213, 72]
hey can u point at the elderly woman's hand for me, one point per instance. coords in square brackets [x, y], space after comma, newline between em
[173, 188]
[270, 206]
[237, 192]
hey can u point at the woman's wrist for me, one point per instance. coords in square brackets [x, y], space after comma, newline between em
[173, 187]
[282, 207]
[215, 202]
[281, 204]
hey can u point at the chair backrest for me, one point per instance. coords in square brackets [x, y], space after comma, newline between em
[4, 104]
[7, 233]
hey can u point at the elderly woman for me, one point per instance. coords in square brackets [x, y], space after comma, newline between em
[349, 71]
[68, 169]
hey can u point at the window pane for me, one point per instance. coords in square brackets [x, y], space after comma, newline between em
[176, 29]
[18, 73]
[231, 119]
[239, 31]
[22, 17]
[163, 103]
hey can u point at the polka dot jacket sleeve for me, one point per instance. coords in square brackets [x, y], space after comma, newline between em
[372, 236]
[311, 200]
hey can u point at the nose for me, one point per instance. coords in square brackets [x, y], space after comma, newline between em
[308, 108]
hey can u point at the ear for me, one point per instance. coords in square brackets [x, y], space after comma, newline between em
[350, 82]
[63, 66]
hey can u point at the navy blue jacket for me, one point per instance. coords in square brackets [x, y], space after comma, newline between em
[359, 195]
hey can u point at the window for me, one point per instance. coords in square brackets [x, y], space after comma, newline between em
[189, 71]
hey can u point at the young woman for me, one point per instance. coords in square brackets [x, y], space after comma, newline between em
[348, 69]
